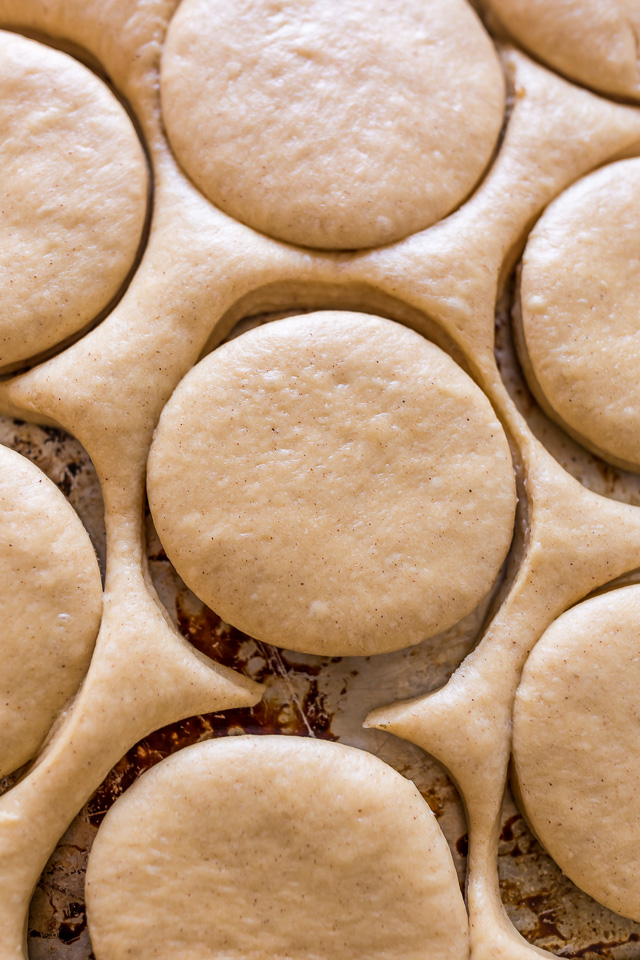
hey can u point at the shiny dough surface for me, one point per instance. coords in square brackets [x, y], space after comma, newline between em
[265, 848]
[338, 126]
[575, 742]
[580, 312]
[73, 194]
[333, 483]
[50, 606]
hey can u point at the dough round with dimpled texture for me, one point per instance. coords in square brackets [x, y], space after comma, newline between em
[50, 606]
[73, 196]
[333, 483]
[331, 126]
[248, 848]
[575, 745]
[592, 41]
[580, 312]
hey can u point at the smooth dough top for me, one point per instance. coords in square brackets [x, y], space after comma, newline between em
[50, 606]
[592, 41]
[331, 125]
[73, 196]
[580, 304]
[333, 483]
[575, 742]
[273, 848]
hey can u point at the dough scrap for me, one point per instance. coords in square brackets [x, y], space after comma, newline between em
[333, 483]
[331, 126]
[273, 847]
[73, 197]
[592, 41]
[580, 312]
[575, 746]
[50, 606]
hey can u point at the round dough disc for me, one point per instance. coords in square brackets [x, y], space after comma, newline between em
[73, 197]
[331, 126]
[580, 312]
[591, 41]
[50, 606]
[333, 483]
[265, 848]
[575, 746]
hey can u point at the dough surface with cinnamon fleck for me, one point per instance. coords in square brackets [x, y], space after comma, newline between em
[331, 125]
[266, 848]
[333, 483]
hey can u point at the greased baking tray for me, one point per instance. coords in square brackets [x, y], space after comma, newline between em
[327, 698]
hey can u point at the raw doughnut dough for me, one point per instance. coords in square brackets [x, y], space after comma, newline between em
[575, 743]
[333, 483]
[580, 306]
[332, 125]
[50, 606]
[73, 195]
[265, 848]
[592, 41]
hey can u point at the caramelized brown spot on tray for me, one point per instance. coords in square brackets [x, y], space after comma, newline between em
[549, 910]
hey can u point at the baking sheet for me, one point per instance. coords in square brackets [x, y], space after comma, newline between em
[329, 698]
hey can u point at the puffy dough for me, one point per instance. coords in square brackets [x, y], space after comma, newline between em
[580, 312]
[592, 41]
[50, 606]
[331, 126]
[73, 196]
[333, 483]
[575, 744]
[265, 848]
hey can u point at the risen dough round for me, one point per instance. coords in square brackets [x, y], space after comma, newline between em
[575, 743]
[73, 197]
[592, 41]
[265, 848]
[333, 483]
[50, 606]
[340, 126]
[580, 304]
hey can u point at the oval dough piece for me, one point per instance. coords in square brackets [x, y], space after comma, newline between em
[332, 126]
[579, 338]
[50, 606]
[266, 848]
[575, 746]
[592, 41]
[73, 197]
[333, 483]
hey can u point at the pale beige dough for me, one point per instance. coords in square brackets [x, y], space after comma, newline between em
[580, 312]
[73, 195]
[266, 848]
[595, 42]
[109, 388]
[50, 606]
[338, 126]
[575, 745]
[333, 483]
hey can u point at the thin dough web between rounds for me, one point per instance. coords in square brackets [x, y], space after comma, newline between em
[333, 483]
[266, 848]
